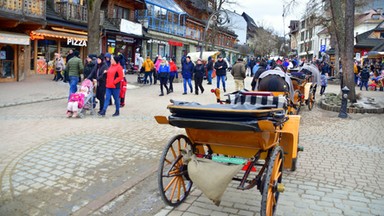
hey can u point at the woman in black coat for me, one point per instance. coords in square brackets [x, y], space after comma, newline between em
[199, 71]
[101, 78]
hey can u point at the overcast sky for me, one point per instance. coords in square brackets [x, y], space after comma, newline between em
[269, 12]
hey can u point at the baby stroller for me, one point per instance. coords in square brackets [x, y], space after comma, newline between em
[89, 99]
[140, 77]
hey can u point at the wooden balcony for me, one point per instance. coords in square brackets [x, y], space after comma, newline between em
[72, 12]
[23, 8]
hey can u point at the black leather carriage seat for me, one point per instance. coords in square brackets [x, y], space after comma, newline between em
[237, 116]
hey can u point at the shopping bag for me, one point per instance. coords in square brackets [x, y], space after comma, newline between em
[213, 74]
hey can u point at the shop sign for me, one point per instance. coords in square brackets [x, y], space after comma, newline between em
[175, 43]
[129, 27]
[36, 37]
[157, 41]
[125, 39]
[75, 42]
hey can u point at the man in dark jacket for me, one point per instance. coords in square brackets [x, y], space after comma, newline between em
[209, 67]
[199, 72]
[262, 68]
[221, 71]
[187, 71]
[364, 76]
[90, 66]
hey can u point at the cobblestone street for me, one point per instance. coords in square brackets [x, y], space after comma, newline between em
[51, 165]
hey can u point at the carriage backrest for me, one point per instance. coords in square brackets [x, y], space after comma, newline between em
[268, 101]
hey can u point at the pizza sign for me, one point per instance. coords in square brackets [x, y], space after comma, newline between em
[75, 42]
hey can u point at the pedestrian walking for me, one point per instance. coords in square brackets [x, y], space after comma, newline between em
[140, 62]
[238, 72]
[364, 76]
[187, 71]
[59, 67]
[172, 74]
[90, 66]
[221, 72]
[100, 76]
[199, 72]
[108, 59]
[163, 74]
[157, 63]
[324, 82]
[148, 70]
[209, 67]
[73, 69]
[114, 76]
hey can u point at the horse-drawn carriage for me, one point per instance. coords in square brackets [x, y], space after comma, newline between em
[248, 132]
[305, 81]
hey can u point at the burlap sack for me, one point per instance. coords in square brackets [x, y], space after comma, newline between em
[210, 177]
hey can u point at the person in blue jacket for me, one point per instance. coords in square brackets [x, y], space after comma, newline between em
[163, 74]
[187, 71]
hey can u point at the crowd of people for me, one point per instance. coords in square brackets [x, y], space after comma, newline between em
[107, 71]
[369, 74]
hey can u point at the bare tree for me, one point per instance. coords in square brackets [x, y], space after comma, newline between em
[265, 41]
[217, 21]
[94, 26]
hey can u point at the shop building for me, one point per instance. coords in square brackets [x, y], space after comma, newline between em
[66, 30]
[17, 19]
[120, 32]
[176, 27]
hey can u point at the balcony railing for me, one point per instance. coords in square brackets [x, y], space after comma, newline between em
[162, 26]
[29, 8]
[72, 12]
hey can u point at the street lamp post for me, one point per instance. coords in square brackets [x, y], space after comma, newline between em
[220, 17]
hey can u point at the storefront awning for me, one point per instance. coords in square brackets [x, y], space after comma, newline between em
[57, 34]
[14, 38]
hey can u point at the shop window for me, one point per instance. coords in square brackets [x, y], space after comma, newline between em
[7, 62]
[161, 50]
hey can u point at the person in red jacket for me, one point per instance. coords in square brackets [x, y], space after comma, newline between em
[173, 73]
[114, 76]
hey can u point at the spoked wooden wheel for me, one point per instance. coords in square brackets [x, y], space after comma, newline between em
[297, 101]
[311, 100]
[173, 179]
[272, 185]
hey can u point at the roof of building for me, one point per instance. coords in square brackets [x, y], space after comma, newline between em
[249, 19]
[167, 4]
[365, 41]
[379, 48]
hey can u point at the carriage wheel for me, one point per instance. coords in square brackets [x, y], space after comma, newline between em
[173, 179]
[311, 100]
[272, 184]
[297, 101]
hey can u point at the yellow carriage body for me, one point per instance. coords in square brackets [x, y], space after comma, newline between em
[247, 143]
